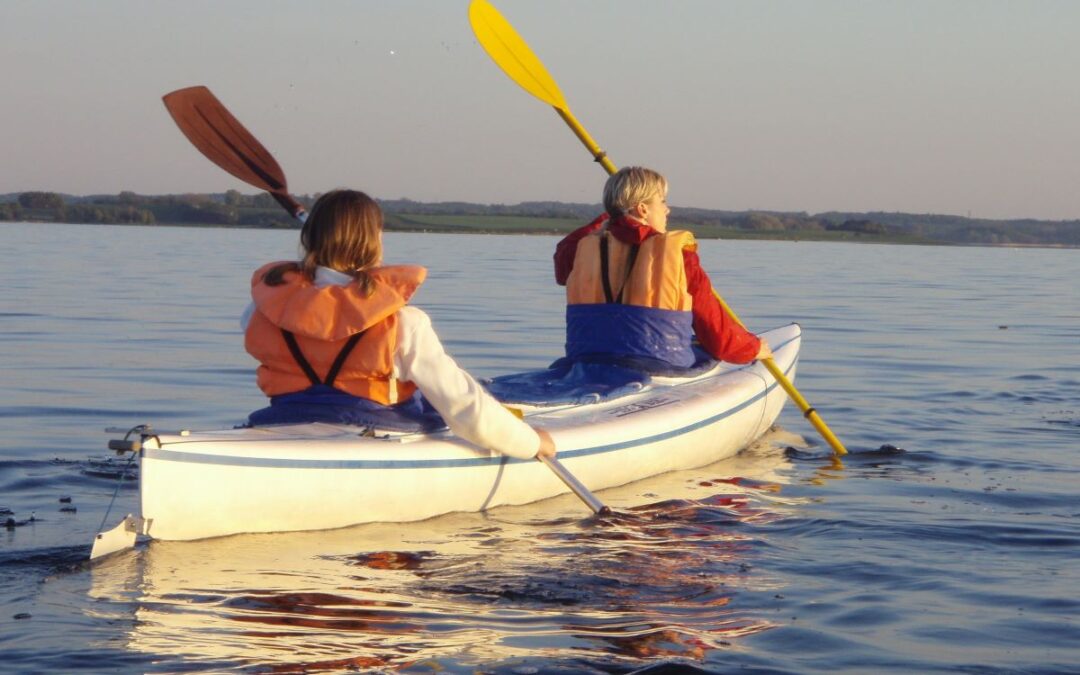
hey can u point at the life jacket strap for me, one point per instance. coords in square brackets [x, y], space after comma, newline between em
[604, 267]
[305, 365]
[342, 355]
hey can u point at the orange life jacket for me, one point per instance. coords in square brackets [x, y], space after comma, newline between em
[631, 302]
[657, 279]
[322, 320]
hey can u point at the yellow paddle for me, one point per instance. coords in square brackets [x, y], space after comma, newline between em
[512, 54]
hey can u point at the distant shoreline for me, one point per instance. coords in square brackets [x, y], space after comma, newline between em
[731, 235]
[233, 209]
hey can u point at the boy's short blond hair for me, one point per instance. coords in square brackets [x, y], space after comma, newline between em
[630, 186]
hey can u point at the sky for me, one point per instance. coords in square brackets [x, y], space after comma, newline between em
[966, 107]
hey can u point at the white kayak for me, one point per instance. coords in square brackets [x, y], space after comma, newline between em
[199, 484]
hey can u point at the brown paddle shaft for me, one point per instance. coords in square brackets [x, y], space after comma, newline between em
[219, 136]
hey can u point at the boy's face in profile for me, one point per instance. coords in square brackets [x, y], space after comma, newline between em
[654, 211]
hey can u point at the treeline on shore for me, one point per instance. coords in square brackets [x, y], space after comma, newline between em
[234, 209]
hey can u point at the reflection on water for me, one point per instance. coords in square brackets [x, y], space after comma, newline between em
[653, 579]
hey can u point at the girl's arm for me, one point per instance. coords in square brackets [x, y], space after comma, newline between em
[468, 409]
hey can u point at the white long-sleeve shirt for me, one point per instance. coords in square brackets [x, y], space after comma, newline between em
[420, 358]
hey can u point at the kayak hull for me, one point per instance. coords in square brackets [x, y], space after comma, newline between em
[195, 485]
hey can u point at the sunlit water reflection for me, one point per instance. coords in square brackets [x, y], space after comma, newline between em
[658, 577]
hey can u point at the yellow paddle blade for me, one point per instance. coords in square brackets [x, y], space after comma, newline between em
[512, 54]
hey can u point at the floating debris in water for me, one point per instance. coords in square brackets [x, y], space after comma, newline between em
[392, 560]
[108, 467]
[11, 523]
[1067, 418]
[65, 500]
[68, 509]
[889, 449]
[823, 453]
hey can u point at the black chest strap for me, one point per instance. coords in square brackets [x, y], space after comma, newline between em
[305, 365]
[604, 267]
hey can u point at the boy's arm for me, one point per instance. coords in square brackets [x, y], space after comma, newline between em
[716, 330]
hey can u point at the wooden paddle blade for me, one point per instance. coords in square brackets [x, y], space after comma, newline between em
[512, 54]
[219, 136]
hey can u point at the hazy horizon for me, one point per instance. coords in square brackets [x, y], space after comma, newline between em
[966, 108]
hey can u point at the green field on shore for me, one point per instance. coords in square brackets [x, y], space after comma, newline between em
[484, 224]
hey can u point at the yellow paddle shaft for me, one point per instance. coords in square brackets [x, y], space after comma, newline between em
[807, 410]
[579, 131]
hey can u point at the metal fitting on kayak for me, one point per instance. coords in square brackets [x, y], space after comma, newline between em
[128, 444]
[123, 445]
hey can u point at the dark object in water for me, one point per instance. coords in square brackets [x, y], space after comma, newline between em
[11, 523]
[68, 509]
[888, 449]
[22, 615]
[792, 452]
[65, 500]
[109, 468]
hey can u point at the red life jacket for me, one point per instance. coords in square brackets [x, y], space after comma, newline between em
[322, 320]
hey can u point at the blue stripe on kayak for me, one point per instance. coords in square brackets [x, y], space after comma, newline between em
[199, 458]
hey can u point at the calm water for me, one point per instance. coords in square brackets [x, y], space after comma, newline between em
[955, 553]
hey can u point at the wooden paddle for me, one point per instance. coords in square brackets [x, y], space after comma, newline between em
[517, 60]
[219, 136]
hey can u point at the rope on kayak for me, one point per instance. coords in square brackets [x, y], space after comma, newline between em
[764, 393]
[140, 429]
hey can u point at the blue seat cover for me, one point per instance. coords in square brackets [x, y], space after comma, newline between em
[567, 381]
[627, 330]
[320, 403]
